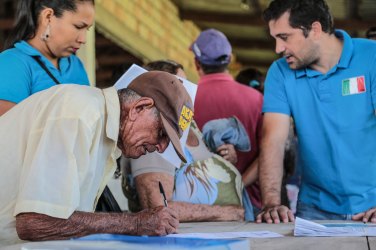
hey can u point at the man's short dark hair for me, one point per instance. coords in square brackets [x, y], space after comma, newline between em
[212, 69]
[302, 14]
[169, 66]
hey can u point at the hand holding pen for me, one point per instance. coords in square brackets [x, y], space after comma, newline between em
[163, 194]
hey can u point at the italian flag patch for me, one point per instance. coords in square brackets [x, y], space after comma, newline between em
[354, 85]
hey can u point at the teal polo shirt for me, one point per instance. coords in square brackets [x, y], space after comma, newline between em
[335, 122]
[21, 76]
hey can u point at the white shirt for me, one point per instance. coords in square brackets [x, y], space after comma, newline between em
[58, 150]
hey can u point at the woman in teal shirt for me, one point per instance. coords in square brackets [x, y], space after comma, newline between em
[40, 52]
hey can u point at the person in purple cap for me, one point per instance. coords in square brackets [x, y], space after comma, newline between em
[219, 96]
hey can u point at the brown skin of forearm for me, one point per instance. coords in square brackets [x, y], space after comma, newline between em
[156, 221]
[5, 106]
[271, 159]
[188, 212]
[250, 176]
[270, 177]
[149, 196]
[147, 186]
[39, 227]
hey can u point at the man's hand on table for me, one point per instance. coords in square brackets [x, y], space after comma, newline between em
[275, 214]
[367, 216]
[157, 221]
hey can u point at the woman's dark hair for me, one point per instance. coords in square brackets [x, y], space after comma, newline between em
[27, 15]
[302, 14]
[169, 66]
[371, 33]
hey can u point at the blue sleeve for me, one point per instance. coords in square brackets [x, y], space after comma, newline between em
[275, 97]
[373, 82]
[82, 77]
[15, 78]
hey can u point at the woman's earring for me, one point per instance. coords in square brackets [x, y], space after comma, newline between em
[46, 34]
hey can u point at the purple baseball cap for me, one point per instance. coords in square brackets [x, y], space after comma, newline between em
[212, 48]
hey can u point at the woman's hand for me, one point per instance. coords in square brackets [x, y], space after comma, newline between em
[227, 151]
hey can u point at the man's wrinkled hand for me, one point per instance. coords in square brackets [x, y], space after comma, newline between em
[275, 214]
[157, 221]
[367, 216]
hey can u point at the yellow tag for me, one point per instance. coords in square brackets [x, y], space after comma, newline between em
[185, 117]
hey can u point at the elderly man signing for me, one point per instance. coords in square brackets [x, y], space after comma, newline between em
[59, 148]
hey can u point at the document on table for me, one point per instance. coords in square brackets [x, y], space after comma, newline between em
[227, 235]
[309, 228]
[127, 242]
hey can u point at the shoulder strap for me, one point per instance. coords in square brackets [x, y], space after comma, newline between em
[36, 58]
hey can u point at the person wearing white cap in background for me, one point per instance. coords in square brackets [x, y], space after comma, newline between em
[59, 149]
[219, 96]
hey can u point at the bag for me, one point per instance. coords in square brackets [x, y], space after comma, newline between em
[107, 202]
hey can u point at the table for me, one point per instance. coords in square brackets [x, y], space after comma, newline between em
[288, 242]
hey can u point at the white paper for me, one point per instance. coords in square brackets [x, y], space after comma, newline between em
[169, 154]
[128, 76]
[228, 235]
[309, 228]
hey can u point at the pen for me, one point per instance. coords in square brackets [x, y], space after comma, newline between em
[163, 194]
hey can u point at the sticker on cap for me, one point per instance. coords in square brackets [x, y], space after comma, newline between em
[185, 117]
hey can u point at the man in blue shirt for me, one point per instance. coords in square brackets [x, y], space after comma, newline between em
[327, 82]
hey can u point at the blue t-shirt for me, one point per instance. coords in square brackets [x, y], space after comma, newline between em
[21, 76]
[335, 121]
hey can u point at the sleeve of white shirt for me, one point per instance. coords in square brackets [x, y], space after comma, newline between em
[151, 163]
[57, 154]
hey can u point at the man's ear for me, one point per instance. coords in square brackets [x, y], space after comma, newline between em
[199, 68]
[197, 64]
[316, 28]
[139, 106]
